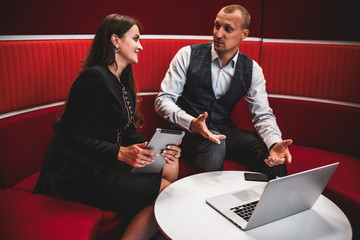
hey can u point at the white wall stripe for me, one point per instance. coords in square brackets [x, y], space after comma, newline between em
[195, 37]
[14, 113]
[44, 37]
[324, 42]
[147, 93]
[314, 100]
[91, 36]
[145, 36]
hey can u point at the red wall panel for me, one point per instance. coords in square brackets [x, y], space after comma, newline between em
[305, 19]
[309, 19]
[176, 17]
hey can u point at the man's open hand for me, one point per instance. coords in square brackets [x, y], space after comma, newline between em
[198, 125]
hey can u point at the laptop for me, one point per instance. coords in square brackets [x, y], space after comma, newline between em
[280, 198]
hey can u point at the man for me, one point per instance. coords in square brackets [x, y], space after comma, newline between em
[200, 90]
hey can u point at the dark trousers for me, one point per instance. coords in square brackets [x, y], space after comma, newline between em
[240, 146]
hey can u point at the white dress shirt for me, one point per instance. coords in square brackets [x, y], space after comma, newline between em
[175, 78]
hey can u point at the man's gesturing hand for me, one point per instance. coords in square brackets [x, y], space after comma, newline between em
[279, 154]
[198, 125]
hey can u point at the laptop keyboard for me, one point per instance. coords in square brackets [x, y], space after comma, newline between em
[245, 211]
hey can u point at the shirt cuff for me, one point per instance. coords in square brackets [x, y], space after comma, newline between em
[185, 121]
[272, 141]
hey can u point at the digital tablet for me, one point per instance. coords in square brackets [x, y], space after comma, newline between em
[159, 142]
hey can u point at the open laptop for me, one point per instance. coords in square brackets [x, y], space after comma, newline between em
[280, 198]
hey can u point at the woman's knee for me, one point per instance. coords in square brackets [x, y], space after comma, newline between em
[164, 183]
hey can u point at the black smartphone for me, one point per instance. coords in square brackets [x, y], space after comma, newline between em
[257, 177]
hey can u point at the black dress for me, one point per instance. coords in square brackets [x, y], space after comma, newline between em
[81, 163]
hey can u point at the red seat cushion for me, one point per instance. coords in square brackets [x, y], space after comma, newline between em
[31, 216]
[111, 224]
[28, 183]
[344, 180]
[343, 187]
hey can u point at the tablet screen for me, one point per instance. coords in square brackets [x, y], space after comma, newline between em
[159, 142]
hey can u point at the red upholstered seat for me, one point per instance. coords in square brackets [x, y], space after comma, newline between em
[343, 187]
[34, 216]
[306, 70]
[108, 225]
[28, 216]
[23, 143]
[28, 183]
[305, 158]
[151, 119]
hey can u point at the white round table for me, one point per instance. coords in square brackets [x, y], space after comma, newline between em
[182, 213]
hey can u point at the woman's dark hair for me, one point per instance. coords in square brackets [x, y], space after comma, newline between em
[102, 52]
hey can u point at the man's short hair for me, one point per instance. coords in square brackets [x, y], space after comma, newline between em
[246, 15]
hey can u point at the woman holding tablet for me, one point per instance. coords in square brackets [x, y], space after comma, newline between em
[96, 143]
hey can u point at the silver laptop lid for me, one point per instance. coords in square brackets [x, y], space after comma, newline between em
[291, 194]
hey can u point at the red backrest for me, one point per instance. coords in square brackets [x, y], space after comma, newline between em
[34, 73]
[151, 119]
[312, 70]
[325, 126]
[24, 140]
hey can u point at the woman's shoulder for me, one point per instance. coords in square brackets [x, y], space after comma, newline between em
[92, 77]
[96, 74]
[97, 70]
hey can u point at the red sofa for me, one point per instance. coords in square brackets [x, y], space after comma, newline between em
[323, 131]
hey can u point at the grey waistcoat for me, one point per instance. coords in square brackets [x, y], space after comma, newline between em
[198, 95]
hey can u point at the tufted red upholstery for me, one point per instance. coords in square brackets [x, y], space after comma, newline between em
[34, 73]
[28, 216]
[25, 139]
[325, 126]
[312, 70]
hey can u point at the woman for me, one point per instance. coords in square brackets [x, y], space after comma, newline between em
[96, 143]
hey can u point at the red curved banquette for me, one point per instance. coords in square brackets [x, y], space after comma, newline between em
[313, 89]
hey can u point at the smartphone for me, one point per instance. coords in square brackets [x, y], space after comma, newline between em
[257, 177]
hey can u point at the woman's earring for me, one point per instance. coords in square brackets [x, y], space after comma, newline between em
[117, 50]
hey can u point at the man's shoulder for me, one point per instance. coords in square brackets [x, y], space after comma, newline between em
[245, 59]
[201, 46]
[244, 56]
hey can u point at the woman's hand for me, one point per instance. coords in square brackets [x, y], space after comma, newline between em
[136, 155]
[171, 154]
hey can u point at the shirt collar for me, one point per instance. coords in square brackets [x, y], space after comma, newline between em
[215, 56]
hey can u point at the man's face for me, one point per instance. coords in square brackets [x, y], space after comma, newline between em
[227, 32]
